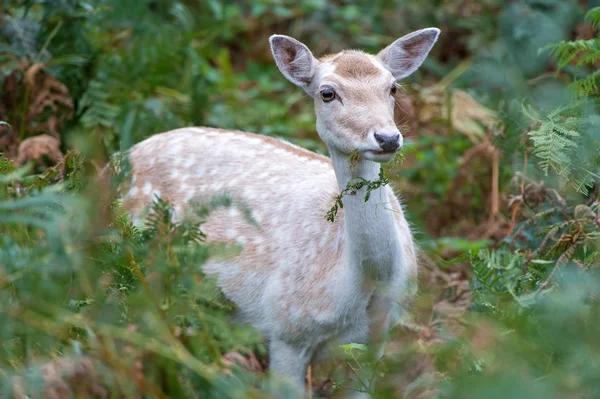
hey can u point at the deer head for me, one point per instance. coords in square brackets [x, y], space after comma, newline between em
[354, 91]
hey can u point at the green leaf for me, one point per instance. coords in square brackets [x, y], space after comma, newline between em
[353, 346]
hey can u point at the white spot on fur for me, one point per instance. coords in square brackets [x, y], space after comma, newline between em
[189, 162]
[231, 233]
[250, 153]
[249, 193]
[257, 217]
[147, 188]
[295, 312]
[132, 192]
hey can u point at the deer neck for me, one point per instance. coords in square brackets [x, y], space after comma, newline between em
[371, 236]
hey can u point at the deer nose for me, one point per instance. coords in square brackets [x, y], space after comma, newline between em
[388, 142]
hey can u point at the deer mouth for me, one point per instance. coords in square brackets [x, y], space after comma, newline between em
[384, 151]
[379, 155]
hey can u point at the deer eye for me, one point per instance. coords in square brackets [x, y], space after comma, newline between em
[393, 90]
[327, 94]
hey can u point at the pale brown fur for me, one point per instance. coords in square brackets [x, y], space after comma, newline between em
[262, 242]
[353, 64]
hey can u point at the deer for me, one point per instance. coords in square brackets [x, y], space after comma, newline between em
[305, 282]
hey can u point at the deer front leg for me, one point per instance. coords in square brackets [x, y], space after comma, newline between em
[290, 361]
[380, 312]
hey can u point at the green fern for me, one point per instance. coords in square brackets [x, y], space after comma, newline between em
[496, 271]
[593, 17]
[588, 85]
[583, 52]
[560, 146]
[6, 165]
[565, 52]
[98, 113]
[554, 138]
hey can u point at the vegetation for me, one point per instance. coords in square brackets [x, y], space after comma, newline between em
[500, 178]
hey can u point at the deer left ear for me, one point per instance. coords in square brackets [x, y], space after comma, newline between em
[405, 55]
[294, 59]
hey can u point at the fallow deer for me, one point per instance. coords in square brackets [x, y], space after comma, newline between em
[302, 280]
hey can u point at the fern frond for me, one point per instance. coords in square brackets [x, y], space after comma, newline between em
[589, 85]
[593, 17]
[495, 271]
[554, 138]
[586, 51]
[6, 165]
[98, 111]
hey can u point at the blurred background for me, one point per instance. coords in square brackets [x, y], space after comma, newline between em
[500, 180]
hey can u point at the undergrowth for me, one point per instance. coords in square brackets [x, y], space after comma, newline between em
[95, 306]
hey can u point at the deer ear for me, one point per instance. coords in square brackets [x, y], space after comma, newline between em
[294, 59]
[405, 55]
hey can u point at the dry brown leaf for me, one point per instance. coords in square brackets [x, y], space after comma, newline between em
[47, 93]
[46, 101]
[248, 362]
[37, 147]
[66, 377]
[467, 116]
[8, 141]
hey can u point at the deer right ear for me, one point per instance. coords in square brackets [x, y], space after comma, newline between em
[405, 55]
[294, 60]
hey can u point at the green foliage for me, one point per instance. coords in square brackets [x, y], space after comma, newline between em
[6, 165]
[555, 139]
[352, 188]
[354, 185]
[561, 136]
[364, 370]
[580, 53]
[546, 351]
[105, 290]
[80, 282]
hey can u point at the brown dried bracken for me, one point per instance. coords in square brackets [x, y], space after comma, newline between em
[34, 102]
[38, 149]
[248, 362]
[47, 93]
[66, 377]
[8, 140]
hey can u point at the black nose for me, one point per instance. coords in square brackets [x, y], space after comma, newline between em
[388, 142]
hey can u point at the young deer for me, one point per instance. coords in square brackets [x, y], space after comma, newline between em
[303, 281]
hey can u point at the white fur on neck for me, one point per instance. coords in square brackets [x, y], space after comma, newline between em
[371, 233]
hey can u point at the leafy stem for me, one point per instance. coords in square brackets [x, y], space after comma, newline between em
[352, 187]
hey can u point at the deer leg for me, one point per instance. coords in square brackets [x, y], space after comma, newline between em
[290, 361]
[379, 312]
